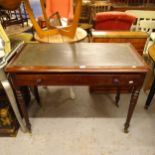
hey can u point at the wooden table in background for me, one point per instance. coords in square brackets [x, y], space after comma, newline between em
[81, 34]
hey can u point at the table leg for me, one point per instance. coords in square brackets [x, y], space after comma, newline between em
[36, 94]
[23, 107]
[150, 96]
[133, 102]
[9, 92]
[117, 97]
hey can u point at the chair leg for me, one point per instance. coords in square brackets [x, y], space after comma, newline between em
[150, 96]
[148, 82]
[149, 79]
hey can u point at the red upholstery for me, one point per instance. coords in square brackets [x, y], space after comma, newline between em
[64, 7]
[113, 21]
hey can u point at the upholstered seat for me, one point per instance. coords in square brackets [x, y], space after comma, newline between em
[113, 20]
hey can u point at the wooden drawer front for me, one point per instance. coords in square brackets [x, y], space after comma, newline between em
[78, 79]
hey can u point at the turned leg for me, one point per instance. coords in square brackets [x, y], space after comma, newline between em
[23, 107]
[150, 96]
[36, 94]
[133, 102]
[117, 97]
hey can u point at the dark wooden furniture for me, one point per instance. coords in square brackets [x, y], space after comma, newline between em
[78, 64]
[123, 5]
[13, 14]
[137, 39]
[151, 52]
[133, 2]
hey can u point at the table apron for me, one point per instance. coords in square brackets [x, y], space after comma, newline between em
[78, 79]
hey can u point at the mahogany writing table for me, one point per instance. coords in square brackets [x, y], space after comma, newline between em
[95, 64]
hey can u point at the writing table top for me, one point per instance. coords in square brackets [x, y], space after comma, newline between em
[78, 57]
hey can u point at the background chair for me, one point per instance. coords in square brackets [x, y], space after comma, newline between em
[113, 20]
[13, 16]
[99, 6]
[151, 52]
[14, 19]
[141, 15]
[145, 21]
[85, 11]
[148, 26]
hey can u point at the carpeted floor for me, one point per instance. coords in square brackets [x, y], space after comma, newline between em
[88, 125]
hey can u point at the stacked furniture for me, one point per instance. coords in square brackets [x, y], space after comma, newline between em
[15, 14]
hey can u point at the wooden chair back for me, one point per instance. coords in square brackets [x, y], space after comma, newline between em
[66, 31]
[147, 26]
[99, 6]
[141, 15]
[145, 22]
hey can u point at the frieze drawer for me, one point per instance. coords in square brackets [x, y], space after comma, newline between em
[78, 79]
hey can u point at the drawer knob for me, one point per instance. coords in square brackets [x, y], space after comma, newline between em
[116, 81]
[38, 81]
[131, 82]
